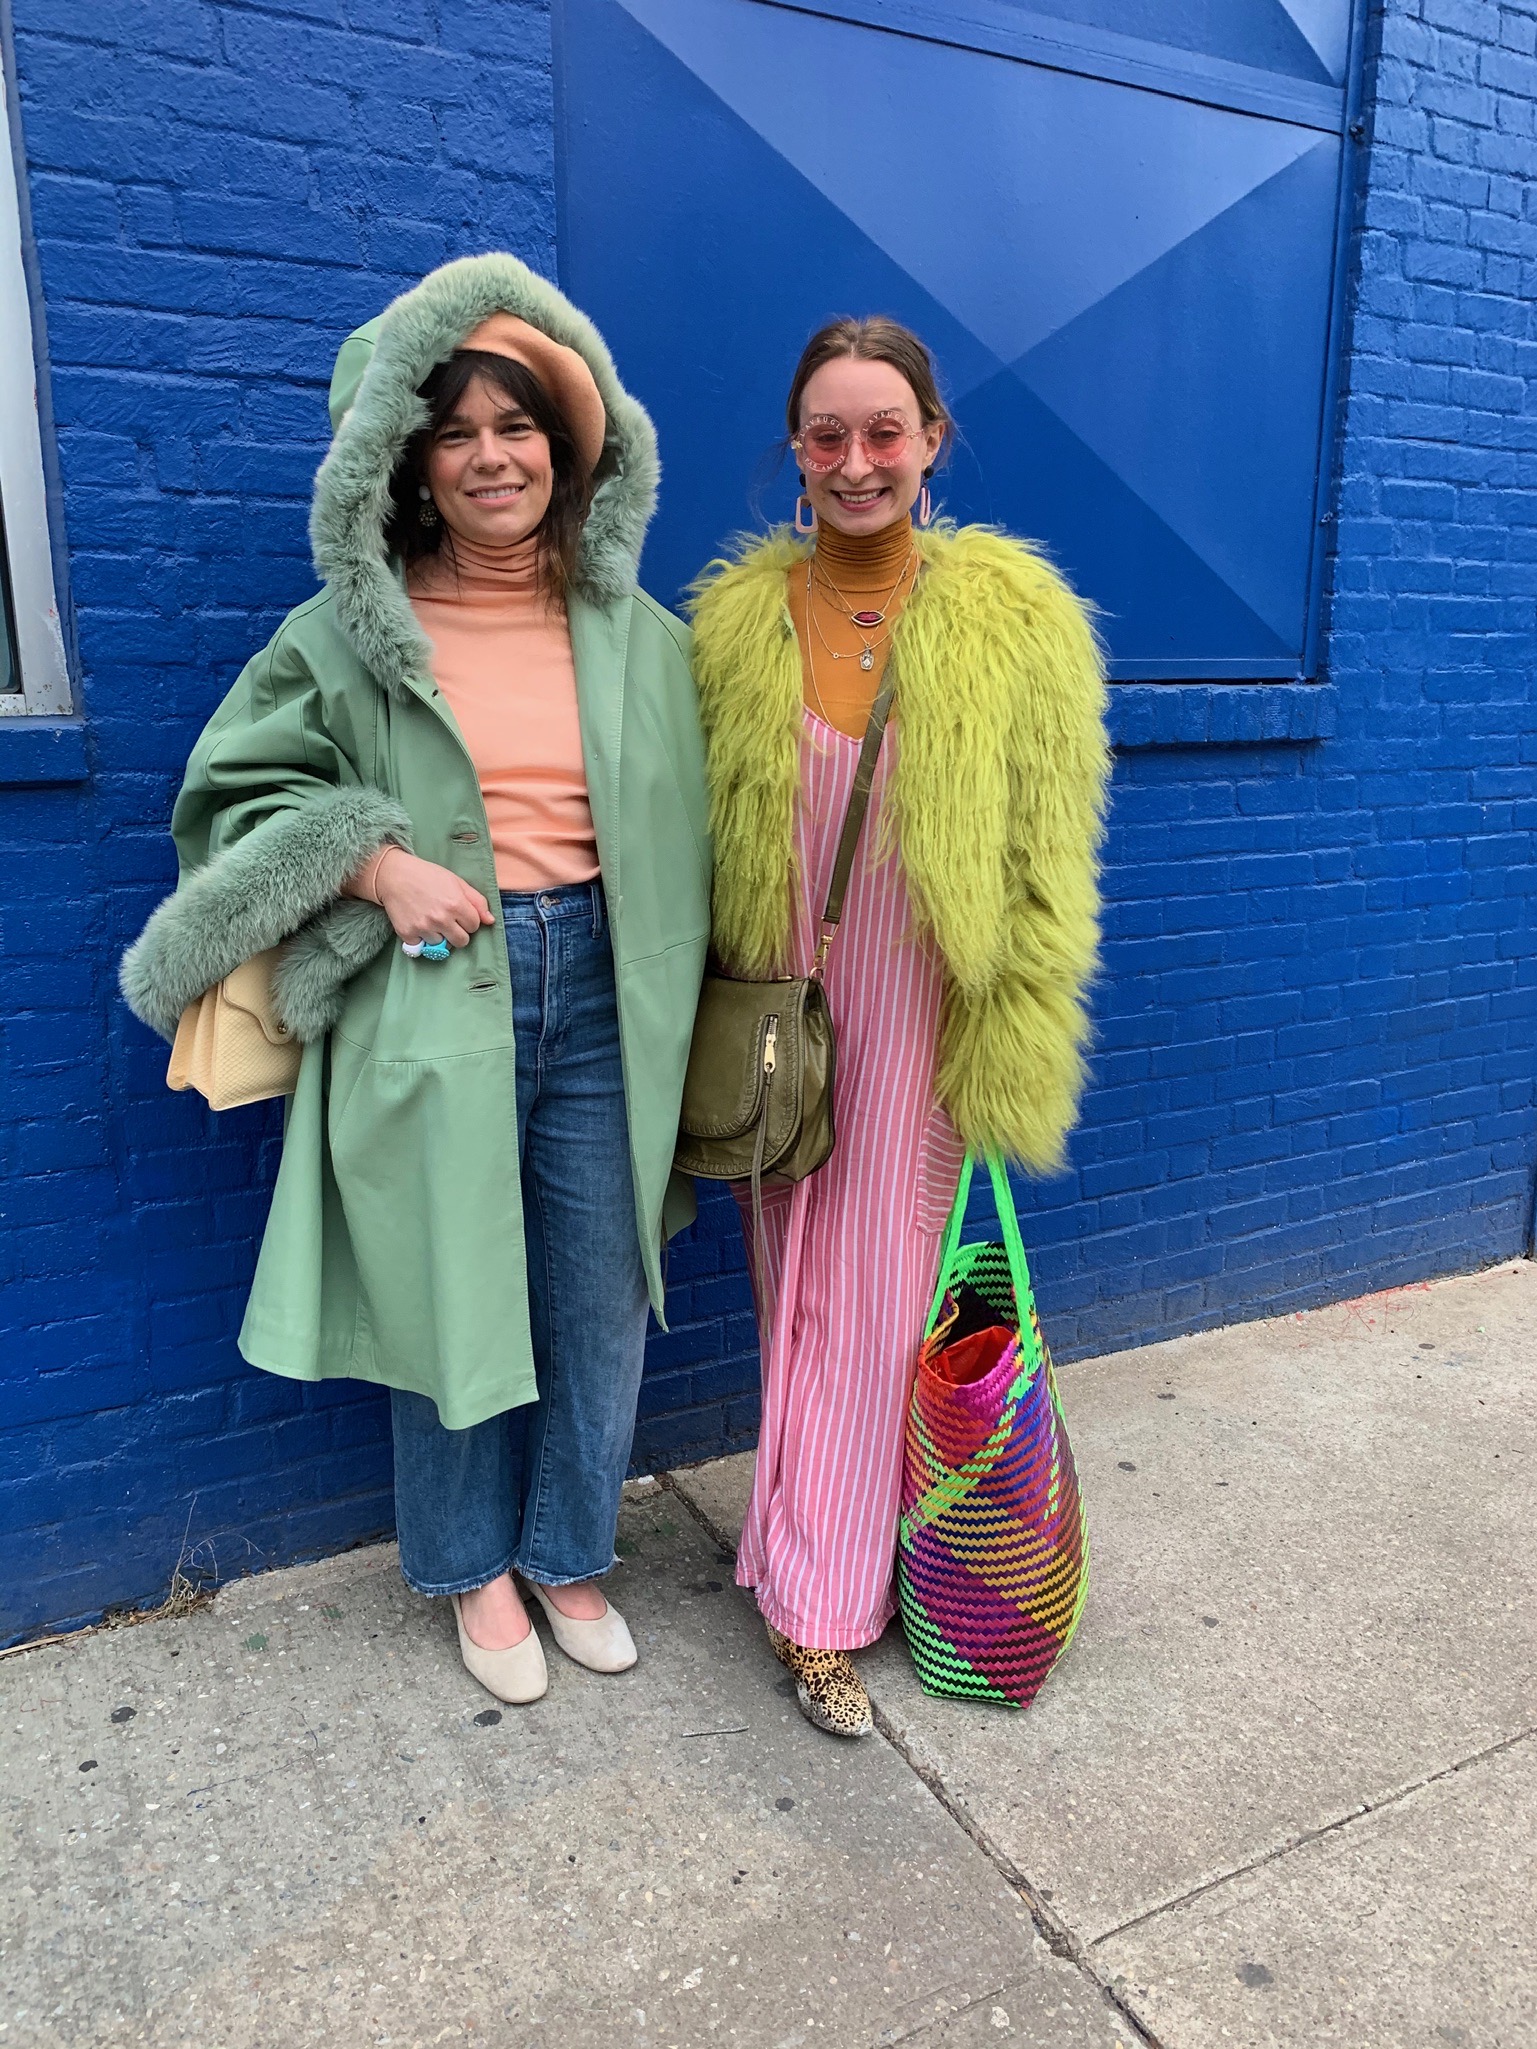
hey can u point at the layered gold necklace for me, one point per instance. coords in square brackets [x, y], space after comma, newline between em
[865, 620]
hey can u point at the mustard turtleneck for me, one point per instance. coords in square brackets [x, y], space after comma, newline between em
[501, 655]
[865, 569]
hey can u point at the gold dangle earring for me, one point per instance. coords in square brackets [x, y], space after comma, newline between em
[808, 524]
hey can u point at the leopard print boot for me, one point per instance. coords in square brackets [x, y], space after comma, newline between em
[830, 1691]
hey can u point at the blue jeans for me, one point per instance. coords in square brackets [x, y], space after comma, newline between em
[538, 1488]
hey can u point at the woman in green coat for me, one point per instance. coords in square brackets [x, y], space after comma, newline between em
[463, 788]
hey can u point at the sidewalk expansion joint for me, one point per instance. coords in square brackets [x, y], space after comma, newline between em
[1057, 1937]
[727, 1544]
[1317, 1835]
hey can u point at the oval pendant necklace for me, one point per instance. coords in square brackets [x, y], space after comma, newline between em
[867, 620]
[866, 655]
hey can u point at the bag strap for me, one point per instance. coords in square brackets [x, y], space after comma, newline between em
[854, 816]
[1014, 1244]
[954, 1224]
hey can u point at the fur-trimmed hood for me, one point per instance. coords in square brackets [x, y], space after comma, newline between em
[375, 410]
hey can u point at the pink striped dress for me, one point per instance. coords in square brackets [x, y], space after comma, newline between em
[851, 1252]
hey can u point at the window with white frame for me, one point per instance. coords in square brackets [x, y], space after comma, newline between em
[33, 678]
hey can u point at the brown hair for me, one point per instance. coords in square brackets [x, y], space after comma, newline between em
[559, 532]
[875, 339]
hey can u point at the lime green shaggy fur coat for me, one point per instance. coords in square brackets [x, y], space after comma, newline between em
[996, 805]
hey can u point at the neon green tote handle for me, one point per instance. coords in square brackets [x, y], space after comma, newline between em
[1014, 1245]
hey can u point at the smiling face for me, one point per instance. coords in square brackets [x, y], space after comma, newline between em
[489, 468]
[859, 497]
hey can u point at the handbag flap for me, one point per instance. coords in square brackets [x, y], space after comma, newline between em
[723, 1088]
[192, 1052]
[249, 989]
[231, 1046]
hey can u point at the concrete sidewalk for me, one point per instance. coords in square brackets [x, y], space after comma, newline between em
[1283, 1790]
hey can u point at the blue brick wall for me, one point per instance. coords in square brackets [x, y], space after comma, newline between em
[1316, 1024]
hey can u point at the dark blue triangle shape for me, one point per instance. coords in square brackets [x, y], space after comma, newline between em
[1162, 608]
[1205, 370]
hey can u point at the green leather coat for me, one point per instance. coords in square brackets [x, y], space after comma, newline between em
[394, 1250]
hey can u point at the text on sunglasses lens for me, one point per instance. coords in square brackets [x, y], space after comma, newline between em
[824, 442]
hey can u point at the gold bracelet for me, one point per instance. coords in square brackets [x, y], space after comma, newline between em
[390, 847]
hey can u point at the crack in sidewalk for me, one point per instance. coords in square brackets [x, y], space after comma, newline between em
[725, 1543]
[1316, 1835]
[1058, 1938]
[1054, 1932]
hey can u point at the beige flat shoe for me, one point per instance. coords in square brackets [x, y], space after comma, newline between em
[602, 1646]
[516, 1676]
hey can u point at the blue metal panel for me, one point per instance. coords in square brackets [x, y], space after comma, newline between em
[1183, 68]
[1128, 288]
[1305, 38]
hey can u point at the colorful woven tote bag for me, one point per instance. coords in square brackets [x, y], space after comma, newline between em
[992, 1549]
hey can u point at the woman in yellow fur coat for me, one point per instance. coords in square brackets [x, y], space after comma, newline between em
[957, 978]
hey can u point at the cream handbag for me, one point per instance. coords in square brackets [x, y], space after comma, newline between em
[231, 1046]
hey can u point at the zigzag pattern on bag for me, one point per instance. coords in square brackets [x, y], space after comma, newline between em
[992, 1547]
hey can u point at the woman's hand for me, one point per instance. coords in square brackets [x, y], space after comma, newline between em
[424, 901]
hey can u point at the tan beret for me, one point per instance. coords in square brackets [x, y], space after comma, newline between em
[562, 372]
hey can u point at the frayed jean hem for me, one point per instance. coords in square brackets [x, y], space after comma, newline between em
[435, 1590]
[569, 1579]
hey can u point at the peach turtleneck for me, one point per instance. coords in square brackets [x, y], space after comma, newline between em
[862, 568]
[501, 655]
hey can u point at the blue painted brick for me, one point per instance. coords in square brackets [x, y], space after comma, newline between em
[1313, 1070]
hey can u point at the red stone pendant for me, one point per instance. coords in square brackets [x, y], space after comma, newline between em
[868, 619]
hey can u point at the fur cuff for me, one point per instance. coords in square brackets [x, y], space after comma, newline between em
[257, 894]
[321, 959]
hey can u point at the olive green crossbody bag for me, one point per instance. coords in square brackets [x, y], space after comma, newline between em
[758, 1095]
